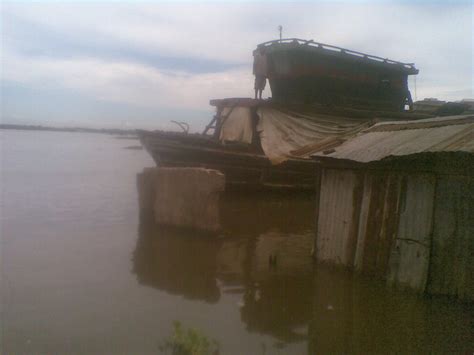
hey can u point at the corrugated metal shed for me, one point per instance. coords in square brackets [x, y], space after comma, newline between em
[413, 229]
[400, 138]
[407, 219]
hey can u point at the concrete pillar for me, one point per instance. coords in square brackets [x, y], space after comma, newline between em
[146, 182]
[183, 197]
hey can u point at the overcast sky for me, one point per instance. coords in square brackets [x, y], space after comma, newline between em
[115, 64]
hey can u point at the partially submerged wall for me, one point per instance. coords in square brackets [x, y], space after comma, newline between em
[182, 197]
[452, 256]
[411, 228]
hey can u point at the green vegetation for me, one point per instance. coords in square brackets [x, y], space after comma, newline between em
[188, 342]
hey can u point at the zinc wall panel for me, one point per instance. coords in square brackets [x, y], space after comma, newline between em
[378, 221]
[452, 259]
[336, 209]
[409, 260]
[363, 221]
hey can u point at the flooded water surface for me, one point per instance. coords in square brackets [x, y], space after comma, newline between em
[84, 272]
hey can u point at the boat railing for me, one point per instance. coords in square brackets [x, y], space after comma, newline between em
[410, 66]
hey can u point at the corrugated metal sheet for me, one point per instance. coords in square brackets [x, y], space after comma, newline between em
[399, 138]
[378, 220]
[409, 259]
[413, 229]
[452, 264]
[335, 235]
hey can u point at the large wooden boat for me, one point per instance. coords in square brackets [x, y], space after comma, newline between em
[333, 82]
[244, 165]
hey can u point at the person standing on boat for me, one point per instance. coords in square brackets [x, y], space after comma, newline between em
[260, 67]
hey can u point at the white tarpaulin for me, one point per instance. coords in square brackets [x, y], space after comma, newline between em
[284, 132]
[237, 126]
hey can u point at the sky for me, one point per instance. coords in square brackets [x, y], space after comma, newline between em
[143, 64]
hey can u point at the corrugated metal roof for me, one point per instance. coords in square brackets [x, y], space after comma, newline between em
[399, 138]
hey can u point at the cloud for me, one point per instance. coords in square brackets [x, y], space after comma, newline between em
[198, 31]
[127, 82]
[165, 56]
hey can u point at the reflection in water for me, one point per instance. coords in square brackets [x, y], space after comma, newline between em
[176, 262]
[352, 314]
[278, 305]
[334, 311]
[275, 298]
[253, 214]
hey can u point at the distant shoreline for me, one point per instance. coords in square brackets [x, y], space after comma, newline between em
[116, 131]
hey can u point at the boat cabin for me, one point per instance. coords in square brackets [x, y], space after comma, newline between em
[306, 72]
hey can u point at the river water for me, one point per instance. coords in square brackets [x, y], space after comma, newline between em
[82, 272]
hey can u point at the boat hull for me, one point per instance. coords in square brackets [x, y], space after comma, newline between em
[244, 168]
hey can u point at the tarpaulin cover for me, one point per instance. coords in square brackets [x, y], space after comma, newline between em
[237, 125]
[286, 134]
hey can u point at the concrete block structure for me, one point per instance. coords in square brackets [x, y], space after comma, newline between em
[182, 197]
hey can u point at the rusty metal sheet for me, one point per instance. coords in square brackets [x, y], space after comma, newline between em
[413, 229]
[409, 260]
[452, 259]
[440, 134]
[334, 235]
[377, 222]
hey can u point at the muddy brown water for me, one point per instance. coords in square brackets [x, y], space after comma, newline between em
[83, 272]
